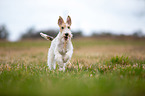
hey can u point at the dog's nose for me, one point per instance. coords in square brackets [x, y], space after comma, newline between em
[66, 34]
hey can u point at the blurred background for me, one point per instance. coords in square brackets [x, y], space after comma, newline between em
[24, 19]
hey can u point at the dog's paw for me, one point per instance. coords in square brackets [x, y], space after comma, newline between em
[66, 58]
[62, 69]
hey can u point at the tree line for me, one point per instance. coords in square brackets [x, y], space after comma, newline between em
[31, 33]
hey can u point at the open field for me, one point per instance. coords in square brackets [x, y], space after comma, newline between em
[99, 67]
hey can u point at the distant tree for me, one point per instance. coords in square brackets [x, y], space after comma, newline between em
[77, 34]
[103, 33]
[31, 30]
[28, 33]
[138, 33]
[3, 32]
[95, 34]
[106, 34]
[50, 32]
[31, 33]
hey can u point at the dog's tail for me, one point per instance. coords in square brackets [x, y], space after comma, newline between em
[47, 37]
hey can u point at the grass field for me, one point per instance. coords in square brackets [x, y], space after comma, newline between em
[99, 67]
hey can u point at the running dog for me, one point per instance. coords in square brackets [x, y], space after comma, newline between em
[61, 48]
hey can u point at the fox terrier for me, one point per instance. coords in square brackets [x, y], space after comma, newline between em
[61, 48]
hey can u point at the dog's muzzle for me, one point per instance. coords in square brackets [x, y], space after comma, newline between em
[66, 36]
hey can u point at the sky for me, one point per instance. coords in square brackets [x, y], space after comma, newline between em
[116, 16]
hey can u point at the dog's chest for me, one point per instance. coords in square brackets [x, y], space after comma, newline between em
[63, 48]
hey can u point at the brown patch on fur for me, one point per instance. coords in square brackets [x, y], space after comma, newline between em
[62, 25]
[50, 38]
[65, 43]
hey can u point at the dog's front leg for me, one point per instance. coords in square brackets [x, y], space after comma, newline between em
[68, 56]
[59, 60]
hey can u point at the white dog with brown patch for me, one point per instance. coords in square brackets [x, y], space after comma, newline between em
[61, 48]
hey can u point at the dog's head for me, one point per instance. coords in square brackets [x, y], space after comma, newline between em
[65, 28]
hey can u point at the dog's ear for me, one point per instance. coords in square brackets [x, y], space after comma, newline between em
[69, 20]
[60, 20]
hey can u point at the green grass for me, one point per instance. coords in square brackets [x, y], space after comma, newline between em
[101, 71]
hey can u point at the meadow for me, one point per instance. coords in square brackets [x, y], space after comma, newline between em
[99, 67]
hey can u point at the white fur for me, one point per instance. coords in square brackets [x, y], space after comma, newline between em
[61, 50]
[57, 52]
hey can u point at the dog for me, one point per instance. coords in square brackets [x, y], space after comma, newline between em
[61, 48]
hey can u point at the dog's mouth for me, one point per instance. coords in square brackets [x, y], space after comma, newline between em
[66, 37]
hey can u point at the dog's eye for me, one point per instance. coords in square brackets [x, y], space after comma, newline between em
[62, 27]
[68, 27]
